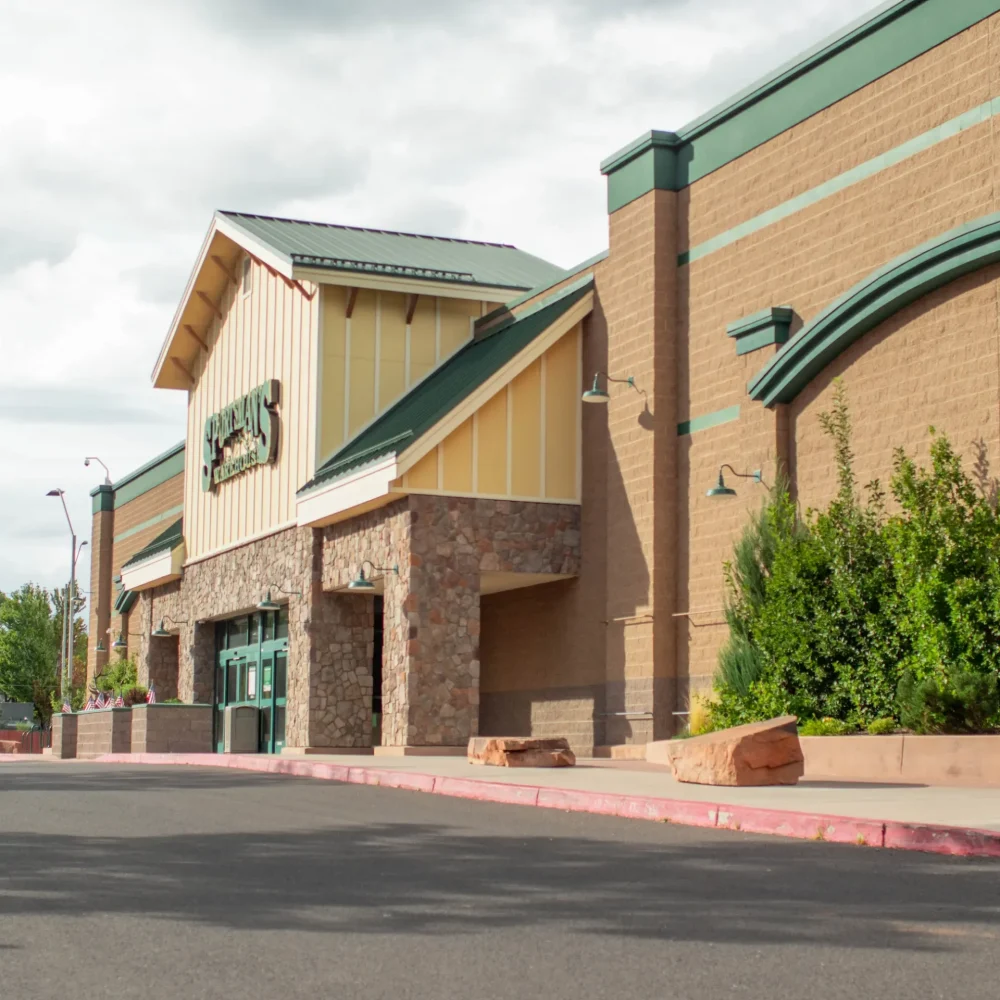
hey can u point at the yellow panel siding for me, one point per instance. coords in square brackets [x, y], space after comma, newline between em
[424, 475]
[392, 348]
[456, 316]
[333, 369]
[267, 334]
[491, 446]
[361, 405]
[562, 423]
[525, 424]
[422, 338]
[456, 455]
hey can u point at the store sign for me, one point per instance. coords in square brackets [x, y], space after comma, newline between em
[241, 435]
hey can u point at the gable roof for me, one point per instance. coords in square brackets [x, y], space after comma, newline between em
[400, 255]
[446, 387]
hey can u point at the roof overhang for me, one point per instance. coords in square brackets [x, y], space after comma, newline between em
[364, 489]
[162, 567]
[406, 286]
[216, 267]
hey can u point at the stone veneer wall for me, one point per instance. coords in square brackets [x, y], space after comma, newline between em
[430, 685]
[172, 729]
[432, 624]
[64, 731]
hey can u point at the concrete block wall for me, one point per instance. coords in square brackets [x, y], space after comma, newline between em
[108, 730]
[64, 736]
[172, 729]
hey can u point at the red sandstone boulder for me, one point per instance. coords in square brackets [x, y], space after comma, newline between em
[520, 751]
[762, 753]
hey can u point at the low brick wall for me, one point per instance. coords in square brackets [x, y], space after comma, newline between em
[107, 730]
[64, 736]
[172, 729]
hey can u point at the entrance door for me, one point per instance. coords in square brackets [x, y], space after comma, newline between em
[251, 669]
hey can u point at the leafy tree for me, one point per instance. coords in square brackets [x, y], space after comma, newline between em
[28, 648]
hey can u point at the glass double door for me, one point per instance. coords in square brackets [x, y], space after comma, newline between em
[252, 669]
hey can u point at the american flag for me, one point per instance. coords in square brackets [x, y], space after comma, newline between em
[119, 701]
[90, 705]
[67, 709]
[151, 695]
[102, 701]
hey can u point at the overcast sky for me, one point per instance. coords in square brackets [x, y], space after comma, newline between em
[124, 125]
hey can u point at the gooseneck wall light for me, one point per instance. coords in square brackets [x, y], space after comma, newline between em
[268, 605]
[720, 489]
[363, 583]
[161, 632]
[595, 394]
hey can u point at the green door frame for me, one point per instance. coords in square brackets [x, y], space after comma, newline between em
[251, 668]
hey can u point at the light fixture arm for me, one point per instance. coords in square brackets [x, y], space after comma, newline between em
[628, 380]
[107, 471]
[755, 475]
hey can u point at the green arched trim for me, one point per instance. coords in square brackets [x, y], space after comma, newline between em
[884, 292]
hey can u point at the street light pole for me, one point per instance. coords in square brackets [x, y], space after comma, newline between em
[67, 670]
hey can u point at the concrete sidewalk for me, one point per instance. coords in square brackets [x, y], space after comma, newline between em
[963, 821]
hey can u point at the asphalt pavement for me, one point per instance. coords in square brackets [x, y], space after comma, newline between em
[183, 883]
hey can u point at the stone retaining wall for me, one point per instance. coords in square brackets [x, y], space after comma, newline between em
[107, 730]
[172, 729]
[64, 735]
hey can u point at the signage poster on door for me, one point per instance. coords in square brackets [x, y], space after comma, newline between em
[266, 680]
[252, 681]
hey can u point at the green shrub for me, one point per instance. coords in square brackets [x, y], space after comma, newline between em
[882, 727]
[116, 677]
[850, 614]
[171, 701]
[965, 703]
[826, 727]
[135, 694]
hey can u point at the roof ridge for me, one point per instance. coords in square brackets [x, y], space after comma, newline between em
[367, 229]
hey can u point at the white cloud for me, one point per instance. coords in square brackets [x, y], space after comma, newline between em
[133, 122]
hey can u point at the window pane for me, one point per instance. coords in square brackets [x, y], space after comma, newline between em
[254, 628]
[232, 672]
[237, 632]
[268, 626]
[280, 674]
[265, 729]
[281, 630]
[279, 726]
[243, 682]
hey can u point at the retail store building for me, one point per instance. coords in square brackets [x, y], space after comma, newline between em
[411, 408]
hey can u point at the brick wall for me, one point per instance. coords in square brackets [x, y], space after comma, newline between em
[933, 363]
[64, 736]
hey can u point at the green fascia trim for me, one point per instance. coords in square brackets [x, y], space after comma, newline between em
[156, 471]
[883, 293]
[532, 292]
[708, 420]
[921, 143]
[103, 498]
[124, 602]
[165, 541]
[172, 512]
[769, 326]
[871, 47]
[446, 387]
[586, 282]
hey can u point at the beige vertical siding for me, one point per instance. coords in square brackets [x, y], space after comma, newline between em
[269, 333]
[371, 359]
[523, 443]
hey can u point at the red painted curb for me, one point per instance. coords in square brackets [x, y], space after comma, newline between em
[745, 819]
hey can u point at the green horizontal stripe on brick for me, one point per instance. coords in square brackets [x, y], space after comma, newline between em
[866, 50]
[150, 475]
[707, 420]
[884, 292]
[919, 144]
[172, 512]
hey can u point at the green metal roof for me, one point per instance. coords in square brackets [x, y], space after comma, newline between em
[163, 542]
[400, 255]
[124, 602]
[441, 391]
